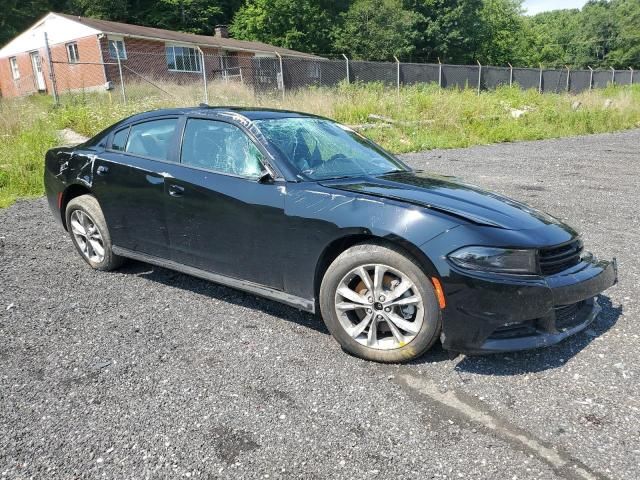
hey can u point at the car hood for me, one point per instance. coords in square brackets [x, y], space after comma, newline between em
[441, 194]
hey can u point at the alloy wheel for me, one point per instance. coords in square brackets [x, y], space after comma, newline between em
[87, 236]
[379, 306]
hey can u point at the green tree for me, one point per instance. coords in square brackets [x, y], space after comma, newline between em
[601, 35]
[502, 36]
[297, 24]
[196, 16]
[553, 38]
[377, 30]
[625, 48]
[448, 29]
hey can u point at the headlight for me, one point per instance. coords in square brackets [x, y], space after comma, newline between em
[502, 260]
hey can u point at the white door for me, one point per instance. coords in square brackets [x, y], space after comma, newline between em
[36, 64]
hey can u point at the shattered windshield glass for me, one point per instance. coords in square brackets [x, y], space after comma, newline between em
[320, 149]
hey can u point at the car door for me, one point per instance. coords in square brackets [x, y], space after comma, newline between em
[128, 181]
[221, 217]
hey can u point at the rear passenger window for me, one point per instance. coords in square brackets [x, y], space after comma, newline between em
[152, 139]
[120, 140]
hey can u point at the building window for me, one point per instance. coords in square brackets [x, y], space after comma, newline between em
[72, 52]
[183, 59]
[13, 61]
[313, 70]
[116, 49]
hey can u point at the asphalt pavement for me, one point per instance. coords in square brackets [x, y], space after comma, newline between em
[147, 373]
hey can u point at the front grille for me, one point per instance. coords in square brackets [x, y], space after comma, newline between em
[560, 258]
[567, 316]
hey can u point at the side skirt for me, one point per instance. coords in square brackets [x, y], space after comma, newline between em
[251, 287]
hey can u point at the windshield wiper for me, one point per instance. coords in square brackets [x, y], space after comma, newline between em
[397, 170]
[338, 177]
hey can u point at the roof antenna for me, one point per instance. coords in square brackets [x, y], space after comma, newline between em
[204, 105]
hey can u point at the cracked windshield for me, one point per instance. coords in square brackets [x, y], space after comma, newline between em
[320, 149]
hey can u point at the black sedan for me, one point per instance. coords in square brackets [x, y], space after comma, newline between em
[303, 210]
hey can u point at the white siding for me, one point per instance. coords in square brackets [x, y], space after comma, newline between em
[59, 30]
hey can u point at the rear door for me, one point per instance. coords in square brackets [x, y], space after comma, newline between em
[128, 180]
[221, 218]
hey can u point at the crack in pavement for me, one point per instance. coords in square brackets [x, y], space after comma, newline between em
[459, 406]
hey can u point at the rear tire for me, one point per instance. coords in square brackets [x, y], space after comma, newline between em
[379, 304]
[89, 233]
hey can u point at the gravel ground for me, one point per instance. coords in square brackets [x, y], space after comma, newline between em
[148, 373]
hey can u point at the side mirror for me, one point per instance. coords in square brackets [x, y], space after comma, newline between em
[265, 176]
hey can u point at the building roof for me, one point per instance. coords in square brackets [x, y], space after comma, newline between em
[62, 28]
[127, 29]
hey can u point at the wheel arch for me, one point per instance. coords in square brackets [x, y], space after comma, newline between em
[72, 191]
[339, 245]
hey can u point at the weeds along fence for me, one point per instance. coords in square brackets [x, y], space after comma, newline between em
[191, 77]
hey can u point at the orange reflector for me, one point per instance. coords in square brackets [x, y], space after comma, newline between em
[59, 200]
[439, 292]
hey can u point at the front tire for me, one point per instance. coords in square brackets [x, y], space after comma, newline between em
[89, 233]
[379, 304]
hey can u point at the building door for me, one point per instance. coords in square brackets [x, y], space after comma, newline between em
[38, 75]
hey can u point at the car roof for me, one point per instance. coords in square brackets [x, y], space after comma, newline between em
[251, 113]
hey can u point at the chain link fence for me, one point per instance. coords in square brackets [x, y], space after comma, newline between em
[195, 77]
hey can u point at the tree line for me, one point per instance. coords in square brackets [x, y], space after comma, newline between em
[495, 32]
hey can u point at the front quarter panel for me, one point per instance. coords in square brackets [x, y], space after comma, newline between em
[318, 216]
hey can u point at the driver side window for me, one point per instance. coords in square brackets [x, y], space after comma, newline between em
[220, 147]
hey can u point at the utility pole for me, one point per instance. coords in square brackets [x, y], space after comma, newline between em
[52, 76]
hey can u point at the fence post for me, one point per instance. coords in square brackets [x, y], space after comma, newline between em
[479, 76]
[631, 80]
[52, 76]
[397, 73]
[613, 75]
[439, 73]
[281, 73]
[510, 74]
[124, 95]
[590, 78]
[540, 81]
[568, 75]
[347, 60]
[204, 77]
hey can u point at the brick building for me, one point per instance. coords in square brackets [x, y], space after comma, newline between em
[85, 52]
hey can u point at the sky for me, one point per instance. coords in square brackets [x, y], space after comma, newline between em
[537, 6]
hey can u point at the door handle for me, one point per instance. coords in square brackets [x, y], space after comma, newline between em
[176, 190]
[102, 170]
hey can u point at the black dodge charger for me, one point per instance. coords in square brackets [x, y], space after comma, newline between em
[305, 211]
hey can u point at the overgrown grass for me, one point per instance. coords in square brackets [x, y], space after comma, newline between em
[423, 116]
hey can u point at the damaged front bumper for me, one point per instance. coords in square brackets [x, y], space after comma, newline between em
[489, 313]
